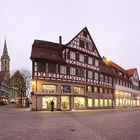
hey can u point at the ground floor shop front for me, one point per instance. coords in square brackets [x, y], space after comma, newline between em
[71, 102]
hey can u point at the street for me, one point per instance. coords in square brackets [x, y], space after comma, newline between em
[115, 124]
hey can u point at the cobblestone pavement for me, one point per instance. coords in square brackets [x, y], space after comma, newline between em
[22, 124]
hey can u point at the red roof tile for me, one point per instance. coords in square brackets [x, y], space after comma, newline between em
[131, 71]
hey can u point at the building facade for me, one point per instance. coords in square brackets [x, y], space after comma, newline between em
[75, 76]
[72, 75]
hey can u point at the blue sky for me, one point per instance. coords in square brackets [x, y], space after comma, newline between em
[113, 24]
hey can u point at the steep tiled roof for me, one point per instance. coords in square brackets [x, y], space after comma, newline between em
[131, 71]
[106, 69]
[115, 67]
[47, 50]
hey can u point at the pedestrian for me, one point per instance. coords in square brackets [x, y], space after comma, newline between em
[52, 105]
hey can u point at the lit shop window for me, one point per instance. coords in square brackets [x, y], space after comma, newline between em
[95, 89]
[109, 102]
[79, 90]
[117, 102]
[101, 90]
[89, 88]
[63, 70]
[105, 102]
[129, 102]
[49, 88]
[89, 102]
[79, 102]
[101, 102]
[72, 55]
[46, 102]
[96, 102]
[65, 89]
[65, 102]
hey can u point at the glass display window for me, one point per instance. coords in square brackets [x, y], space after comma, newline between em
[79, 90]
[46, 102]
[79, 102]
[101, 102]
[89, 88]
[105, 102]
[65, 102]
[96, 102]
[49, 88]
[65, 89]
[89, 102]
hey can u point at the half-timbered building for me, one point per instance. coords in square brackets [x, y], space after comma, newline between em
[73, 75]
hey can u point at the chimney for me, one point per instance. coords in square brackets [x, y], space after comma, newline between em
[60, 39]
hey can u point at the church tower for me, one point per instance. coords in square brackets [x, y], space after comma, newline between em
[5, 59]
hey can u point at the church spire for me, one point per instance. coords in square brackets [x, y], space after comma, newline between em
[5, 52]
[5, 59]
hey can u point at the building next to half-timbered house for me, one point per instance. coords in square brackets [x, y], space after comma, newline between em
[126, 85]
[72, 75]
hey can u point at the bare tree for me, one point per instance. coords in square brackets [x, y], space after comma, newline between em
[27, 77]
[20, 83]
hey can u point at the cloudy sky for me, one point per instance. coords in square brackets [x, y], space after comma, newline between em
[113, 24]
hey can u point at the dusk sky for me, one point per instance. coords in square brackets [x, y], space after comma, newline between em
[113, 24]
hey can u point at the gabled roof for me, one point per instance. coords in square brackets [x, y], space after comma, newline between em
[131, 71]
[2, 75]
[47, 50]
[85, 29]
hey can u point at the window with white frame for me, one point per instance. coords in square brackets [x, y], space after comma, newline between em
[106, 78]
[90, 74]
[72, 71]
[96, 63]
[90, 47]
[101, 77]
[63, 70]
[82, 73]
[81, 57]
[72, 55]
[96, 76]
[110, 80]
[90, 60]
